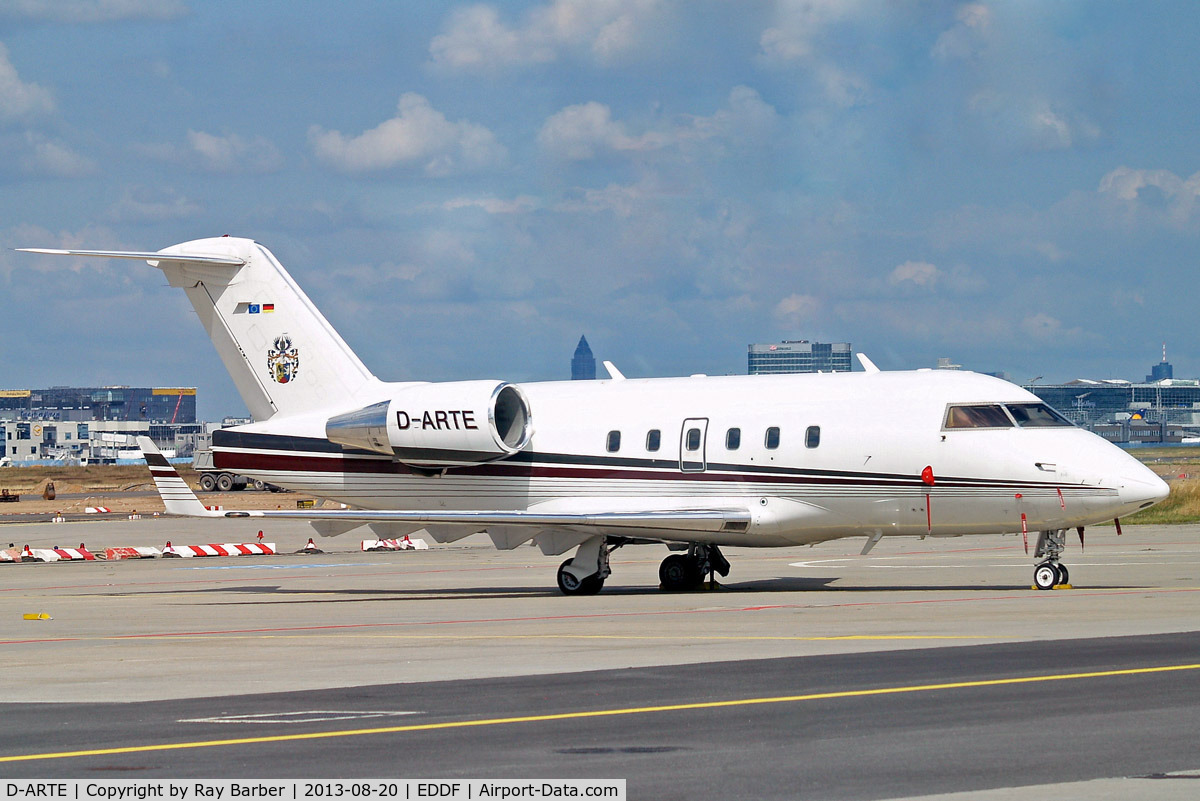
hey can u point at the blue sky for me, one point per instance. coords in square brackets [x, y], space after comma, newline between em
[466, 188]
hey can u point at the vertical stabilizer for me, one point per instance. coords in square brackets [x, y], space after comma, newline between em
[283, 355]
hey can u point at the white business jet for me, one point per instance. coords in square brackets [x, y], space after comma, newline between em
[693, 463]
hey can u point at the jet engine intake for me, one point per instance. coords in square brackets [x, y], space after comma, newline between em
[440, 425]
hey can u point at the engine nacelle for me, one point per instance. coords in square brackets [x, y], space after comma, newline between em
[440, 425]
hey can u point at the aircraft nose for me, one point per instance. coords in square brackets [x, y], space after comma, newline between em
[1143, 487]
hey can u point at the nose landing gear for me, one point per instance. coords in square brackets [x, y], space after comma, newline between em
[1050, 573]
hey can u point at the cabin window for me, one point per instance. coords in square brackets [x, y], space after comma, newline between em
[812, 437]
[1036, 415]
[733, 439]
[772, 438]
[653, 439]
[977, 416]
[614, 441]
[692, 441]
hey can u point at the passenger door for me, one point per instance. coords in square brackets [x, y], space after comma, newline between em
[692, 442]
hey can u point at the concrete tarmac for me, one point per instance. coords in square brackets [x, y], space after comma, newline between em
[316, 627]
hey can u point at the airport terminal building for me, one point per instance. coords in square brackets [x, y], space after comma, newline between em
[76, 423]
[1124, 411]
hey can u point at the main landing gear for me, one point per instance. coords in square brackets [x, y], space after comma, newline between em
[1050, 574]
[681, 572]
[584, 573]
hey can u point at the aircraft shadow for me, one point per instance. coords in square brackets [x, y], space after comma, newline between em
[275, 594]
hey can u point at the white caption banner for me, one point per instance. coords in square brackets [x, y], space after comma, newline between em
[311, 790]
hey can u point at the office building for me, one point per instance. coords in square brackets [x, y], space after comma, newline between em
[798, 356]
[1162, 370]
[583, 363]
[82, 404]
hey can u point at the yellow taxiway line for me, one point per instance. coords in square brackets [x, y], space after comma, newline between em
[604, 713]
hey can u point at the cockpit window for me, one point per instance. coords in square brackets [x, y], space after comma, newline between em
[977, 416]
[1036, 415]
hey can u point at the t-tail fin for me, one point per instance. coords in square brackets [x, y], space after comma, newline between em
[283, 355]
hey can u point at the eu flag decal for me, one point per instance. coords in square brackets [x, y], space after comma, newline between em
[254, 308]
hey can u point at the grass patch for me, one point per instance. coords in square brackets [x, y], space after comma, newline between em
[1181, 506]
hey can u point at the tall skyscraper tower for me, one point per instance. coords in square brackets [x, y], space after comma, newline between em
[583, 363]
[1161, 370]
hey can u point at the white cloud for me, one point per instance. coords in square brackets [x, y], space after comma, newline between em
[222, 154]
[20, 100]
[419, 135]
[586, 130]
[1127, 183]
[967, 36]
[799, 24]
[143, 204]
[1153, 191]
[92, 11]
[232, 153]
[920, 273]
[518, 205]
[46, 157]
[1031, 121]
[620, 199]
[797, 310]
[578, 132]
[477, 39]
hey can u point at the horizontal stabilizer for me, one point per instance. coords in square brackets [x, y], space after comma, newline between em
[207, 261]
[177, 496]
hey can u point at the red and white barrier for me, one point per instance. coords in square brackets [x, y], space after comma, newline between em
[57, 554]
[95, 510]
[226, 549]
[13, 555]
[112, 554]
[403, 544]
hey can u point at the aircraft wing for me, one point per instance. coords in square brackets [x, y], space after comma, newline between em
[656, 524]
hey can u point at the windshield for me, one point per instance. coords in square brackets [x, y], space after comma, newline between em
[977, 416]
[1036, 415]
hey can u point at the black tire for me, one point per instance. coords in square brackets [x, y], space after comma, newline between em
[679, 573]
[260, 485]
[1063, 576]
[225, 482]
[207, 482]
[1045, 576]
[570, 585]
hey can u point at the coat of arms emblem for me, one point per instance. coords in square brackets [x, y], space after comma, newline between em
[283, 360]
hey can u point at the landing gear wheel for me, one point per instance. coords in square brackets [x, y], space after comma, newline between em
[570, 584]
[679, 573]
[1045, 576]
[1063, 576]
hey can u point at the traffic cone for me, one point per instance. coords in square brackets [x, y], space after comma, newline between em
[311, 547]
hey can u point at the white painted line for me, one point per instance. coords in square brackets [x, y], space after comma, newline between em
[307, 716]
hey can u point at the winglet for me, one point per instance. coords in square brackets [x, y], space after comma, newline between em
[177, 496]
[868, 366]
[613, 372]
